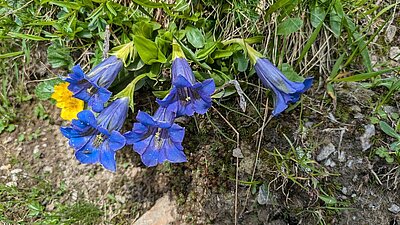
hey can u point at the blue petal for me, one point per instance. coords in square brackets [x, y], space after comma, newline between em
[173, 154]
[81, 94]
[105, 73]
[208, 87]
[79, 142]
[68, 132]
[96, 104]
[279, 102]
[150, 157]
[103, 94]
[87, 156]
[116, 141]
[181, 68]
[307, 84]
[176, 133]
[114, 115]
[181, 82]
[87, 117]
[201, 106]
[137, 133]
[185, 108]
[141, 146]
[145, 119]
[107, 159]
[77, 73]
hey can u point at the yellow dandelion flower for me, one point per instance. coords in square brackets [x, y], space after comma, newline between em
[69, 105]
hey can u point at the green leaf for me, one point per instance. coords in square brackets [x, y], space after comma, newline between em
[68, 4]
[59, 56]
[388, 130]
[44, 90]
[10, 128]
[277, 5]
[206, 51]
[364, 76]
[195, 37]
[329, 200]
[289, 72]
[181, 5]
[317, 16]
[151, 4]
[222, 54]
[27, 36]
[241, 61]
[148, 50]
[289, 26]
[11, 54]
[336, 67]
[335, 22]
[130, 90]
[189, 53]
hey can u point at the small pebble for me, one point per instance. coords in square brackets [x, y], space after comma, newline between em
[341, 156]
[394, 208]
[326, 152]
[330, 162]
[394, 53]
[15, 171]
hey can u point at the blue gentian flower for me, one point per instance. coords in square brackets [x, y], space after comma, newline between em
[286, 91]
[187, 96]
[97, 139]
[157, 138]
[92, 87]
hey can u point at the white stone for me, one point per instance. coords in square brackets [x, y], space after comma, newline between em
[326, 152]
[390, 33]
[394, 208]
[369, 132]
[394, 53]
[162, 213]
[15, 171]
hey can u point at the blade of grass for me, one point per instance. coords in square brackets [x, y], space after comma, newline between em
[364, 76]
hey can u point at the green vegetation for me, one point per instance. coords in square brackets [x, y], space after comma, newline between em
[333, 41]
[43, 204]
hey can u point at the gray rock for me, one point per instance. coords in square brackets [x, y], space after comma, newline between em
[162, 213]
[326, 152]
[390, 33]
[341, 156]
[345, 191]
[394, 53]
[394, 208]
[237, 153]
[263, 196]
[365, 138]
[330, 162]
[15, 171]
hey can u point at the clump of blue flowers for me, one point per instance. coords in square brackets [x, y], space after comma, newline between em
[96, 134]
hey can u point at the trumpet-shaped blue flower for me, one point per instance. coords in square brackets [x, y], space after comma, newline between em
[157, 138]
[92, 87]
[187, 96]
[286, 91]
[97, 139]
